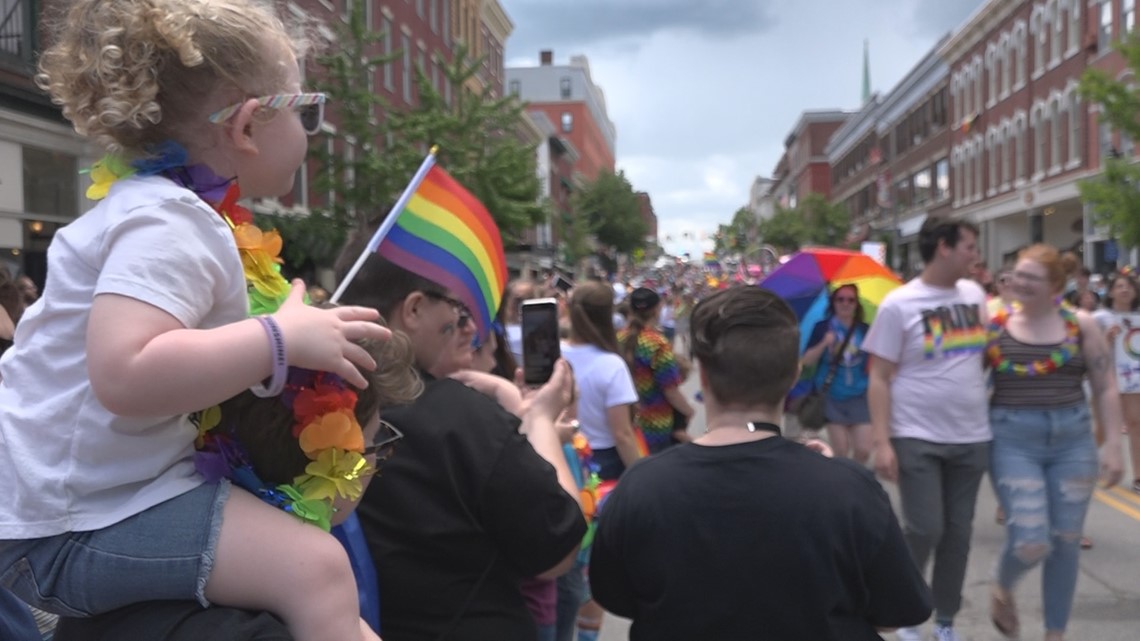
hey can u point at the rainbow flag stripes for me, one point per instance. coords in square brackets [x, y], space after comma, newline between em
[446, 235]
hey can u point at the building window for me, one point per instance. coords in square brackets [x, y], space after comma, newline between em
[1039, 43]
[1006, 152]
[51, 183]
[433, 15]
[1039, 147]
[922, 185]
[1058, 132]
[1019, 154]
[1075, 137]
[1055, 41]
[1106, 149]
[389, 37]
[515, 88]
[446, 22]
[967, 173]
[978, 168]
[1019, 36]
[993, 149]
[904, 197]
[1126, 146]
[564, 88]
[942, 180]
[567, 122]
[1006, 64]
[407, 69]
[1104, 34]
[978, 90]
[1127, 17]
[991, 69]
[1075, 27]
[420, 8]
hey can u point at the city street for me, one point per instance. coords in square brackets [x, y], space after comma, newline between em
[1107, 606]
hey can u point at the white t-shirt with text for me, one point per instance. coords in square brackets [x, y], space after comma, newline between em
[603, 381]
[66, 463]
[937, 338]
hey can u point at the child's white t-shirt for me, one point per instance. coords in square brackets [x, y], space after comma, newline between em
[66, 463]
[603, 381]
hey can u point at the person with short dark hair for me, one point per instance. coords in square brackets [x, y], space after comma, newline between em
[476, 499]
[742, 534]
[927, 396]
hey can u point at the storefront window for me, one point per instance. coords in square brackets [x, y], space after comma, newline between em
[51, 183]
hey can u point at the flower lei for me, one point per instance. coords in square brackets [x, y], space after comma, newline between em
[322, 404]
[1051, 363]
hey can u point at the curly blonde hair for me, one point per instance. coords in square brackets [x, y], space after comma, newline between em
[130, 74]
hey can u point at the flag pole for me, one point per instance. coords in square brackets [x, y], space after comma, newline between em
[389, 222]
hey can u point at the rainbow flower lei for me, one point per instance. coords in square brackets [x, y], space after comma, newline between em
[322, 404]
[1051, 363]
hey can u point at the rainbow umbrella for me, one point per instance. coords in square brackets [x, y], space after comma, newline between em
[807, 279]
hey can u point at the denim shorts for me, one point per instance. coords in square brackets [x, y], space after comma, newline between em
[163, 553]
[851, 411]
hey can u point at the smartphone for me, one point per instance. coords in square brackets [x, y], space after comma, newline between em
[561, 283]
[540, 340]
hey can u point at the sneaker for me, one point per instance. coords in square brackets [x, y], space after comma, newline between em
[944, 633]
[909, 634]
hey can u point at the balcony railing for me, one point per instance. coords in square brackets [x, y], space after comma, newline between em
[18, 38]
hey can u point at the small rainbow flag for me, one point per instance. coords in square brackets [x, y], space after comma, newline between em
[439, 231]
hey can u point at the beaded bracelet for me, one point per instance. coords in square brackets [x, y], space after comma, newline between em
[280, 365]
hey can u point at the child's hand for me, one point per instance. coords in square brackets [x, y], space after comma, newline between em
[323, 339]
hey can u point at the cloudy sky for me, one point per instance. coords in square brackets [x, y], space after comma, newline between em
[704, 92]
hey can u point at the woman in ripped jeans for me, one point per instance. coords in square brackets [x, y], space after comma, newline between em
[1044, 462]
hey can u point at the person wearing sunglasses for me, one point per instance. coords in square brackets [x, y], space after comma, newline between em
[477, 498]
[845, 405]
[263, 427]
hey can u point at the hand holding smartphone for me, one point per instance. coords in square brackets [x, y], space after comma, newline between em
[540, 339]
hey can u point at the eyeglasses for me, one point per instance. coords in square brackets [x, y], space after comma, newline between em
[1026, 276]
[384, 443]
[311, 107]
[458, 305]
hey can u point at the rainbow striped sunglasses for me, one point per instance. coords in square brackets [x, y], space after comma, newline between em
[311, 107]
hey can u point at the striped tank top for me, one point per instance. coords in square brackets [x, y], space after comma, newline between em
[1061, 388]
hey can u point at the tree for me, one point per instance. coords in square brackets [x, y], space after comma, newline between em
[785, 229]
[826, 223]
[1114, 196]
[479, 141]
[814, 222]
[612, 211]
[376, 149]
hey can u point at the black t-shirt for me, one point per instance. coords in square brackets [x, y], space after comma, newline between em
[174, 621]
[464, 496]
[760, 540]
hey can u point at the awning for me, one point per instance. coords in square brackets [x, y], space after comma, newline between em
[910, 226]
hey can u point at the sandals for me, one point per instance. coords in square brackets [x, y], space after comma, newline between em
[1003, 613]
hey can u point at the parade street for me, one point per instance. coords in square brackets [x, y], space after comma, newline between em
[1108, 590]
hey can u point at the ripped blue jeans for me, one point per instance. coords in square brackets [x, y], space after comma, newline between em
[1043, 465]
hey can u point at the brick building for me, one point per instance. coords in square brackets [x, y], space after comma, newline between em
[803, 168]
[41, 188]
[570, 99]
[645, 208]
[890, 162]
[1019, 143]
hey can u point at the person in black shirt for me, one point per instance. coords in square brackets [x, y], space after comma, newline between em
[743, 534]
[473, 501]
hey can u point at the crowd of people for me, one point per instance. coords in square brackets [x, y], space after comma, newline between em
[176, 466]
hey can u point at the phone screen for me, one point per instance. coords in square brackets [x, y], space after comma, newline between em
[540, 339]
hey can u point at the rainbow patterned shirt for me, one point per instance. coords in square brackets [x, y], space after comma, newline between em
[654, 371]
